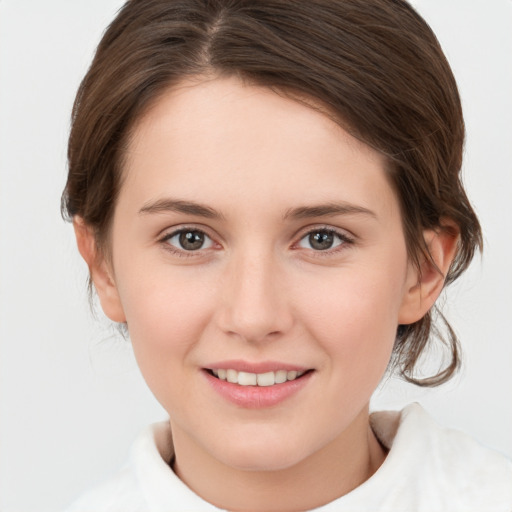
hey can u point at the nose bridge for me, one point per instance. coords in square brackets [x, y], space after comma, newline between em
[255, 302]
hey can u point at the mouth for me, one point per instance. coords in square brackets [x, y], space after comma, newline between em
[266, 379]
[257, 385]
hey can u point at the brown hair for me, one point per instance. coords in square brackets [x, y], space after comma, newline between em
[374, 65]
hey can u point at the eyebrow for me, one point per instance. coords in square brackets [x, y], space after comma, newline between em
[180, 206]
[301, 212]
[327, 209]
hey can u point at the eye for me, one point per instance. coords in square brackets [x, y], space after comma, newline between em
[322, 240]
[189, 240]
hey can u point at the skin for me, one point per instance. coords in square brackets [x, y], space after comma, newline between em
[258, 290]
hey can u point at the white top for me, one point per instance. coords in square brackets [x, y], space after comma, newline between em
[428, 469]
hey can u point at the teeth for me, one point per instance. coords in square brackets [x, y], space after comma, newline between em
[256, 379]
[232, 376]
[247, 379]
[281, 376]
[266, 379]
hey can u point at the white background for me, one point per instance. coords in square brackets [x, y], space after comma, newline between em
[71, 397]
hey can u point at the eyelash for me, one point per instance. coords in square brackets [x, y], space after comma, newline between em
[344, 241]
[182, 253]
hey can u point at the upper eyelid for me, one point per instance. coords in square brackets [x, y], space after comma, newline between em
[344, 233]
[169, 232]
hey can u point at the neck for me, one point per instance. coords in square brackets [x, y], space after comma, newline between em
[333, 471]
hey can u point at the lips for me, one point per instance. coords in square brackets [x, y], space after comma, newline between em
[256, 379]
[256, 385]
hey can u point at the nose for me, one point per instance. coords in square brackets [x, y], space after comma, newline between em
[255, 304]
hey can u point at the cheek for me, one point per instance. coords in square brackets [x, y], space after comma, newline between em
[355, 321]
[166, 314]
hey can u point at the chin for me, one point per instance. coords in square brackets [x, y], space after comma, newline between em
[263, 454]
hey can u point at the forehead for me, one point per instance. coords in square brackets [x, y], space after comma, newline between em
[217, 141]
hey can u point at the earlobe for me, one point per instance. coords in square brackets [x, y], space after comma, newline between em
[424, 285]
[99, 271]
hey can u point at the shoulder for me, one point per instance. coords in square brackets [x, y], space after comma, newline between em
[449, 449]
[120, 493]
[445, 467]
[123, 492]
[147, 482]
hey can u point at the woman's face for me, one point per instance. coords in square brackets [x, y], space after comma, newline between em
[254, 238]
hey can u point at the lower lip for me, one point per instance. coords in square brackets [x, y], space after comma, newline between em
[257, 397]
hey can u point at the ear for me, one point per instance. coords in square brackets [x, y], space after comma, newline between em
[99, 270]
[424, 285]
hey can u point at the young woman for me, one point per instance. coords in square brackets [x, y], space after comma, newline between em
[268, 197]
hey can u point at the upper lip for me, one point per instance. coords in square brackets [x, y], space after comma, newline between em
[256, 367]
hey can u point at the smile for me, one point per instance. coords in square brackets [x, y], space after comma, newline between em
[257, 385]
[256, 379]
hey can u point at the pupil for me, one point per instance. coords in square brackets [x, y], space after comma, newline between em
[191, 240]
[321, 240]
